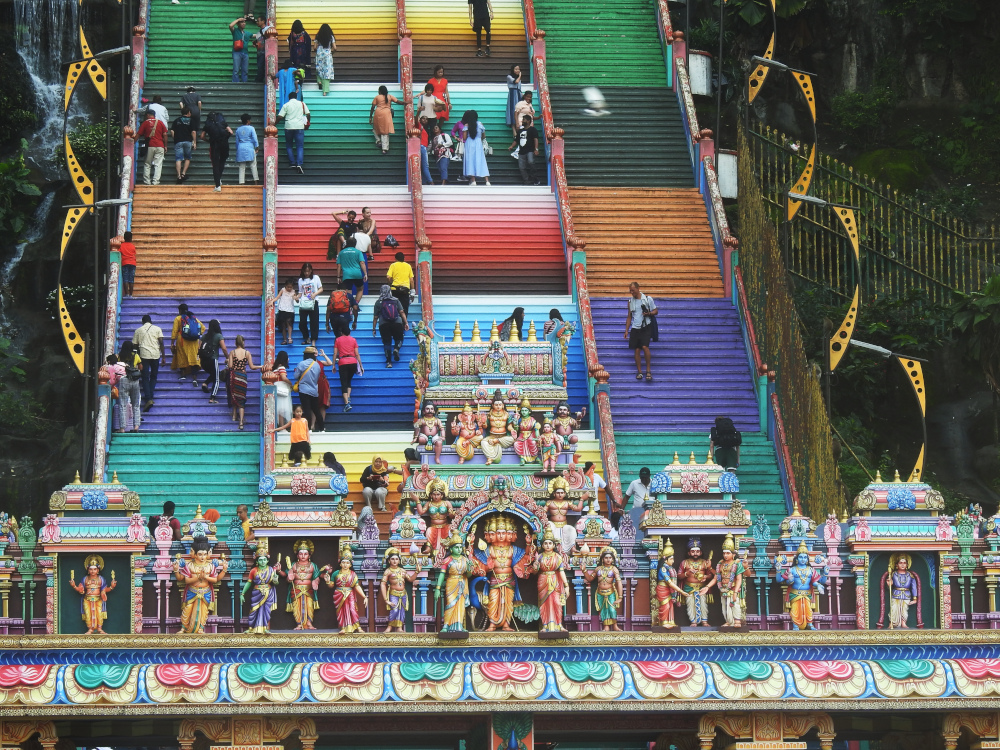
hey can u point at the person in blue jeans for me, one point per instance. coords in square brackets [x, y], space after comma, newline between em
[242, 39]
[296, 117]
[441, 145]
[425, 168]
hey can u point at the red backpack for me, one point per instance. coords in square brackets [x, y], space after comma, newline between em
[340, 302]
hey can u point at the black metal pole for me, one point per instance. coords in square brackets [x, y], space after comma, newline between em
[86, 409]
[827, 374]
[718, 92]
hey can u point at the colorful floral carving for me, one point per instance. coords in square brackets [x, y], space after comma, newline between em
[338, 484]
[977, 677]
[902, 678]
[729, 482]
[437, 681]
[901, 498]
[657, 680]
[738, 680]
[500, 680]
[266, 485]
[694, 481]
[193, 683]
[660, 483]
[603, 680]
[137, 530]
[357, 682]
[304, 484]
[109, 683]
[94, 500]
[27, 683]
[825, 679]
[278, 683]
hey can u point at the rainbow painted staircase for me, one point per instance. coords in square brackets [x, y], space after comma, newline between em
[442, 36]
[365, 31]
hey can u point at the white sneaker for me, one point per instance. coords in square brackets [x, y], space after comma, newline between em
[217, 190]
[175, 2]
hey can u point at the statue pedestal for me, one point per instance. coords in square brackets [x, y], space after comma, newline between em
[744, 628]
[453, 635]
[665, 629]
[551, 635]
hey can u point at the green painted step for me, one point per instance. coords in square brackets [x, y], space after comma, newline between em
[610, 42]
[760, 482]
[339, 144]
[641, 144]
[215, 470]
[192, 41]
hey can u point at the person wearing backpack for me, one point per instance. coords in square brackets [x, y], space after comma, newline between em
[129, 388]
[341, 309]
[391, 322]
[208, 354]
[641, 328]
[184, 338]
[155, 133]
[724, 443]
[352, 273]
[217, 132]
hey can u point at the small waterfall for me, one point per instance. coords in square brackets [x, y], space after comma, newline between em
[46, 36]
[39, 223]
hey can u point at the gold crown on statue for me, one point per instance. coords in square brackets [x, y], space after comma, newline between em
[499, 523]
[389, 553]
[728, 543]
[802, 548]
[437, 485]
[559, 483]
[608, 551]
[525, 404]
[455, 538]
[668, 549]
[94, 560]
[549, 535]
[304, 544]
[467, 408]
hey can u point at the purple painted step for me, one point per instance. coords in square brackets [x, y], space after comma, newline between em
[700, 368]
[179, 406]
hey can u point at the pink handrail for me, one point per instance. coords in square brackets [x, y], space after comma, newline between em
[786, 455]
[687, 101]
[759, 367]
[270, 241]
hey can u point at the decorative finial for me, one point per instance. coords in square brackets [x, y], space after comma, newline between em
[710, 459]
[878, 476]
[896, 477]
[457, 337]
[532, 334]
[114, 478]
[845, 516]
[286, 461]
[514, 338]
[677, 460]
[494, 333]
[475, 333]
[76, 479]
[97, 478]
[692, 461]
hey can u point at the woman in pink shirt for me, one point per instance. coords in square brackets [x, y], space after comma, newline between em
[347, 358]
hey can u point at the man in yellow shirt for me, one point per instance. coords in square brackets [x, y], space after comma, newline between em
[401, 280]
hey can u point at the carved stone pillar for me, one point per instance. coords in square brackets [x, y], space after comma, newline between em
[985, 727]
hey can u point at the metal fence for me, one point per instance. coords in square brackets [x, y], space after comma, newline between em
[778, 333]
[904, 244]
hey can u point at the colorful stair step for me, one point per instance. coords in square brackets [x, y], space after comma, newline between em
[192, 40]
[305, 224]
[442, 35]
[700, 368]
[668, 249]
[365, 31]
[180, 407]
[340, 147]
[495, 240]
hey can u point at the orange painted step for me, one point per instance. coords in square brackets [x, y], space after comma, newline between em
[658, 237]
[192, 241]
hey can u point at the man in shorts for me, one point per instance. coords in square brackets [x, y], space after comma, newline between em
[639, 328]
[127, 249]
[352, 273]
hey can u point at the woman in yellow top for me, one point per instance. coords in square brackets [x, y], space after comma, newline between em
[401, 280]
[185, 347]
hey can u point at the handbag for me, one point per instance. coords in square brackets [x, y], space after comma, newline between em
[307, 304]
[376, 243]
[237, 45]
[653, 325]
[323, 388]
[487, 148]
[114, 392]
[299, 379]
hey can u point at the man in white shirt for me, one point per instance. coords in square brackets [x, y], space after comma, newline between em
[296, 117]
[157, 108]
[638, 491]
[639, 324]
[149, 340]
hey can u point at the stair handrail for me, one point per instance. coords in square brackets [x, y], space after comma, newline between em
[759, 367]
[422, 241]
[112, 311]
[536, 42]
[693, 132]
[269, 243]
[786, 456]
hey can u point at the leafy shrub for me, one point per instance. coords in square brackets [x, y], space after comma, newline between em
[903, 169]
[861, 116]
[17, 194]
[89, 143]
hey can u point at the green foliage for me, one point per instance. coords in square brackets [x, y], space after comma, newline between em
[705, 36]
[18, 410]
[976, 317]
[958, 200]
[89, 142]
[17, 98]
[76, 297]
[17, 194]
[861, 116]
[934, 15]
[903, 169]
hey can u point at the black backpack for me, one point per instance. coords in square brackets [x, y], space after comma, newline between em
[727, 436]
[216, 126]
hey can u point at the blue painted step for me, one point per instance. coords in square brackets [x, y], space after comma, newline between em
[179, 406]
[700, 368]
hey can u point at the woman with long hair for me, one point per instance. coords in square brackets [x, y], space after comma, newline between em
[474, 160]
[508, 323]
[239, 360]
[310, 287]
[129, 390]
[325, 45]
[347, 359]
[380, 118]
[298, 45]
[283, 400]
[513, 95]
[440, 90]
[555, 318]
[212, 342]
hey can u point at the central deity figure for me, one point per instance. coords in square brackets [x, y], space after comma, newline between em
[499, 559]
[500, 429]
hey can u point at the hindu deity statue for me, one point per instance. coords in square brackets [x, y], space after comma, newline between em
[667, 589]
[565, 423]
[903, 590]
[697, 576]
[428, 431]
[552, 585]
[393, 589]
[94, 605]
[438, 507]
[550, 445]
[198, 575]
[346, 593]
[303, 583]
[500, 560]
[526, 442]
[558, 506]
[729, 579]
[262, 581]
[468, 433]
[804, 584]
[608, 596]
[455, 570]
[500, 430]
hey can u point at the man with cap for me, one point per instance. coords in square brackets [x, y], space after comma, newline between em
[696, 577]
